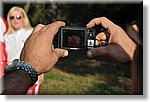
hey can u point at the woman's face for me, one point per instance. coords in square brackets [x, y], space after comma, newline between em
[16, 20]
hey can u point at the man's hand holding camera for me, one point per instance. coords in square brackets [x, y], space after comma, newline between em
[120, 46]
[38, 50]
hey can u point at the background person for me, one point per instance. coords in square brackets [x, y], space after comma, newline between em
[19, 30]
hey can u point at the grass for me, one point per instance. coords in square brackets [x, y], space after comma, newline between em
[78, 75]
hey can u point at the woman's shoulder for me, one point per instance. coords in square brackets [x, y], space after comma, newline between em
[8, 37]
[8, 34]
[27, 32]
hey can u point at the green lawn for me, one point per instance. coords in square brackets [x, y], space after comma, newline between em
[78, 75]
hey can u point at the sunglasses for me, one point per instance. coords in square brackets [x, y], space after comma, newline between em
[17, 17]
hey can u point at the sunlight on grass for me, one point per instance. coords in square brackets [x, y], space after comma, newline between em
[77, 74]
[58, 82]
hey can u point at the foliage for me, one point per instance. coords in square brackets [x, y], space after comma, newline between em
[80, 14]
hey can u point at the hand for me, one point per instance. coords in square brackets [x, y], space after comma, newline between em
[38, 50]
[120, 46]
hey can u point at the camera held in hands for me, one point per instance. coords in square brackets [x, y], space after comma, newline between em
[76, 38]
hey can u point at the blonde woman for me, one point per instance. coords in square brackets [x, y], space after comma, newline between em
[19, 30]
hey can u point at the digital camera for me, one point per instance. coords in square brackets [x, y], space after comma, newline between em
[76, 38]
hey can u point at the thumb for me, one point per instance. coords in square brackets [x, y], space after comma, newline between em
[97, 52]
[61, 52]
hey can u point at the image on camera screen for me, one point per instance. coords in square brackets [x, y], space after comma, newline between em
[73, 38]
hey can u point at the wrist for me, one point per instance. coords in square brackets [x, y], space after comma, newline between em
[34, 63]
[17, 65]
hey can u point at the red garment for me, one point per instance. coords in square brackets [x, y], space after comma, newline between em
[3, 58]
[3, 55]
[34, 90]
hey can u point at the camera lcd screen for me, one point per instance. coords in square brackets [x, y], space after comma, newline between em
[73, 38]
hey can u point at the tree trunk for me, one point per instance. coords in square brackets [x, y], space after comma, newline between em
[26, 7]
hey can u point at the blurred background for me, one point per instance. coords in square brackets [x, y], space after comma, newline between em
[77, 14]
[77, 74]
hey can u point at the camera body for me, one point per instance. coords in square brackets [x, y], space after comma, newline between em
[76, 38]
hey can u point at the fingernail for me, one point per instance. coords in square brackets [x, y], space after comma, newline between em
[87, 25]
[64, 23]
[89, 54]
[65, 53]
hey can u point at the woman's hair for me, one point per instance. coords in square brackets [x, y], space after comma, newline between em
[26, 24]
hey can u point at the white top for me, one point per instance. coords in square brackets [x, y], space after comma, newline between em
[2, 29]
[15, 42]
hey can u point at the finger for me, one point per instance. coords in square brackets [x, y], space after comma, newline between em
[97, 41]
[135, 27]
[54, 27]
[99, 21]
[38, 28]
[61, 52]
[49, 31]
[97, 52]
[101, 36]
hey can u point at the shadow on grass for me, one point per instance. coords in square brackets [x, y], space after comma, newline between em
[98, 76]
[113, 86]
[78, 63]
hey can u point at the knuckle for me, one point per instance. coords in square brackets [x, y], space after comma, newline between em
[95, 52]
[58, 21]
[40, 25]
[103, 18]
